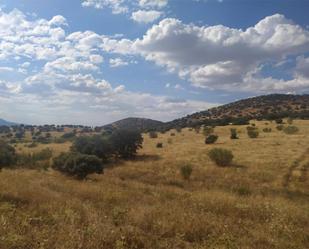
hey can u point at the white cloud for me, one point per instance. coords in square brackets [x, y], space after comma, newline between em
[220, 57]
[145, 16]
[117, 62]
[117, 6]
[153, 3]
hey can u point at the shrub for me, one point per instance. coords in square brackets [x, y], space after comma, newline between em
[186, 171]
[207, 130]
[280, 127]
[7, 155]
[252, 132]
[290, 121]
[68, 136]
[221, 157]
[267, 130]
[153, 134]
[78, 165]
[279, 121]
[290, 130]
[211, 139]
[234, 133]
[126, 142]
[178, 129]
[172, 134]
[93, 145]
[159, 145]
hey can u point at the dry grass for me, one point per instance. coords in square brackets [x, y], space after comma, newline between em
[262, 201]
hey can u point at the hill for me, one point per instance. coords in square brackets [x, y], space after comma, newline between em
[142, 124]
[6, 123]
[262, 107]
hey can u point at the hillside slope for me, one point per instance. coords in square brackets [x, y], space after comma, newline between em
[267, 106]
[142, 124]
[6, 123]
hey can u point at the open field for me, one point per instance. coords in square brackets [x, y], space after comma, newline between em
[262, 201]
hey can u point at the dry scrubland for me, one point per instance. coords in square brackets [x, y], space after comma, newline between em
[262, 201]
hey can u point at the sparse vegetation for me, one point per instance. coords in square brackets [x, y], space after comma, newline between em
[233, 134]
[7, 155]
[252, 132]
[186, 171]
[291, 129]
[267, 130]
[153, 134]
[221, 157]
[159, 145]
[211, 139]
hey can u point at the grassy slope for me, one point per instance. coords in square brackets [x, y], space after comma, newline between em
[260, 202]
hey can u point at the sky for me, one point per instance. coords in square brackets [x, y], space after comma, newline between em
[92, 62]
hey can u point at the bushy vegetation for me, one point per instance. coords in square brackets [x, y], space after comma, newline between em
[7, 155]
[221, 157]
[159, 145]
[280, 127]
[94, 145]
[78, 165]
[233, 133]
[211, 139]
[153, 134]
[291, 129]
[36, 160]
[126, 143]
[267, 130]
[207, 130]
[252, 132]
[186, 171]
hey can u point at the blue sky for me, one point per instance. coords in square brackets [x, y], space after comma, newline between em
[96, 61]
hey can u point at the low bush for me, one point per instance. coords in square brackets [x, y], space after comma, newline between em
[153, 134]
[207, 130]
[279, 121]
[7, 155]
[291, 129]
[172, 134]
[267, 130]
[186, 171]
[233, 133]
[78, 165]
[280, 127]
[159, 145]
[221, 157]
[252, 132]
[211, 139]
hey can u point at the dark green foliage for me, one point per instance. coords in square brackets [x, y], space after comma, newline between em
[126, 142]
[252, 132]
[280, 127]
[76, 164]
[7, 155]
[291, 129]
[68, 136]
[233, 133]
[153, 134]
[221, 157]
[38, 160]
[159, 145]
[211, 139]
[186, 171]
[279, 121]
[94, 145]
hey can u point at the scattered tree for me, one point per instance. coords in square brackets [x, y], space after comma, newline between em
[221, 157]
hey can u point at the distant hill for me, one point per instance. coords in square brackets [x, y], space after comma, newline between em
[6, 123]
[142, 124]
[262, 107]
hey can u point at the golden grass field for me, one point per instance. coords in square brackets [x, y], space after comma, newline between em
[262, 201]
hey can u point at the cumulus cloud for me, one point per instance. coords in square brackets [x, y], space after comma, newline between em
[153, 3]
[220, 57]
[145, 16]
[117, 6]
[117, 62]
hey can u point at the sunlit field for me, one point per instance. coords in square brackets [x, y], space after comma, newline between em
[260, 201]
